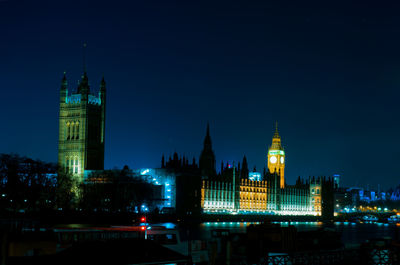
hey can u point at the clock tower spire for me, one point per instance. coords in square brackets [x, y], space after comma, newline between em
[276, 157]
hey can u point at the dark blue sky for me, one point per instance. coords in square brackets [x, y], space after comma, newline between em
[330, 75]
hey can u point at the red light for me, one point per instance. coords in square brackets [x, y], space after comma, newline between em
[143, 219]
[143, 227]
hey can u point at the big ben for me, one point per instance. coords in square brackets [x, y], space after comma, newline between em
[276, 157]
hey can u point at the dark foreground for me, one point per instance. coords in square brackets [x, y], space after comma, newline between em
[125, 240]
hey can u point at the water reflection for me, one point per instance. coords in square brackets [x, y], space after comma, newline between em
[352, 233]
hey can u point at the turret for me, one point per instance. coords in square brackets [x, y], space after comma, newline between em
[102, 92]
[102, 96]
[63, 89]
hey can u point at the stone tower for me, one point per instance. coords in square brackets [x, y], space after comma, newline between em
[276, 157]
[207, 157]
[81, 128]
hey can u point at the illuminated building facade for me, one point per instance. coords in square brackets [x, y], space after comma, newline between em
[218, 196]
[81, 128]
[253, 195]
[295, 201]
[276, 157]
[232, 192]
[315, 192]
[261, 197]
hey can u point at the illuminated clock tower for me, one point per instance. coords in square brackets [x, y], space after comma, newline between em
[276, 157]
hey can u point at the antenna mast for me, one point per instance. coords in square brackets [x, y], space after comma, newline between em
[84, 56]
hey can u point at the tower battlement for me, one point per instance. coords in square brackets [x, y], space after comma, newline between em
[77, 99]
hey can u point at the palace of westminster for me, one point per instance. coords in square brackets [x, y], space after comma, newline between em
[234, 190]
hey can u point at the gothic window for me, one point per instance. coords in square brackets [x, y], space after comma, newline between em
[77, 130]
[317, 191]
[72, 130]
[68, 131]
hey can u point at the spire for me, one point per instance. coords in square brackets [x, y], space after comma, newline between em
[276, 140]
[84, 78]
[83, 87]
[102, 84]
[276, 134]
[84, 57]
[64, 89]
[207, 157]
[207, 139]
[245, 168]
[64, 81]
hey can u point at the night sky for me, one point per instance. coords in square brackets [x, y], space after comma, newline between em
[330, 76]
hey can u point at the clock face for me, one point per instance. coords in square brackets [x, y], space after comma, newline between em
[282, 160]
[272, 159]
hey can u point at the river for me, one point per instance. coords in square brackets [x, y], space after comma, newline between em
[352, 233]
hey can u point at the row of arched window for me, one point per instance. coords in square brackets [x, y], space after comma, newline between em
[72, 164]
[72, 130]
